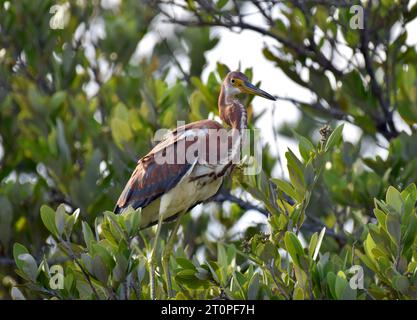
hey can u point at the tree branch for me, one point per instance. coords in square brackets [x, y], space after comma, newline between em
[313, 226]
[230, 23]
[390, 131]
[225, 195]
[334, 112]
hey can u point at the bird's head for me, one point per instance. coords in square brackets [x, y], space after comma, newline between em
[236, 82]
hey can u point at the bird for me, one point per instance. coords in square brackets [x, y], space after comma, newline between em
[188, 166]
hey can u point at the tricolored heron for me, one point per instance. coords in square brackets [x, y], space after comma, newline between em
[167, 190]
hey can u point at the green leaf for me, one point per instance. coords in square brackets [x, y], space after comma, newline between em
[231, 254]
[401, 283]
[221, 3]
[121, 131]
[349, 294]
[309, 175]
[393, 198]
[202, 274]
[185, 263]
[367, 261]
[48, 219]
[340, 284]
[88, 235]
[393, 226]
[222, 69]
[71, 220]
[410, 233]
[304, 145]
[312, 245]
[99, 269]
[288, 189]
[19, 249]
[319, 241]
[88, 262]
[186, 274]
[132, 219]
[58, 99]
[60, 219]
[268, 252]
[294, 247]
[120, 268]
[101, 250]
[331, 283]
[369, 245]
[221, 255]
[381, 217]
[334, 138]
[187, 278]
[254, 286]
[29, 266]
[213, 267]
[115, 225]
[411, 191]
[296, 171]
[298, 293]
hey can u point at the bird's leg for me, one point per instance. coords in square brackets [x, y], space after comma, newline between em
[167, 254]
[153, 257]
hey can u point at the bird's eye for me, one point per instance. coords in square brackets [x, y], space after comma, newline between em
[232, 81]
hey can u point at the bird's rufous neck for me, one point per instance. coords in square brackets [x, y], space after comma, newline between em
[231, 111]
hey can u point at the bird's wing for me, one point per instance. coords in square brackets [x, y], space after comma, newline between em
[152, 178]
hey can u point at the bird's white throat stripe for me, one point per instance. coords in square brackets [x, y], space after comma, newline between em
[243, 119]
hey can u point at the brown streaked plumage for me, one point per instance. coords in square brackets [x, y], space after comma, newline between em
[183, 185]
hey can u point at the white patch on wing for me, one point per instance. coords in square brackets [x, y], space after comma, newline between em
[193, 133]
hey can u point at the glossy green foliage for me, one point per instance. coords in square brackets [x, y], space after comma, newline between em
[79, 106]
[111, 261]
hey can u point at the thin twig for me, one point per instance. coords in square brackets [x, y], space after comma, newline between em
[71, 253]
[270, 267]
[375, 87]
[229, 22]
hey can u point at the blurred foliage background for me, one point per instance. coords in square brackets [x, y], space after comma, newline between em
[79, 106]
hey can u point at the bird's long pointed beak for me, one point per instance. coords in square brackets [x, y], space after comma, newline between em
[252, 89]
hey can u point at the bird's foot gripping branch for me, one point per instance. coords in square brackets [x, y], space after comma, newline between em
[294, 260]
